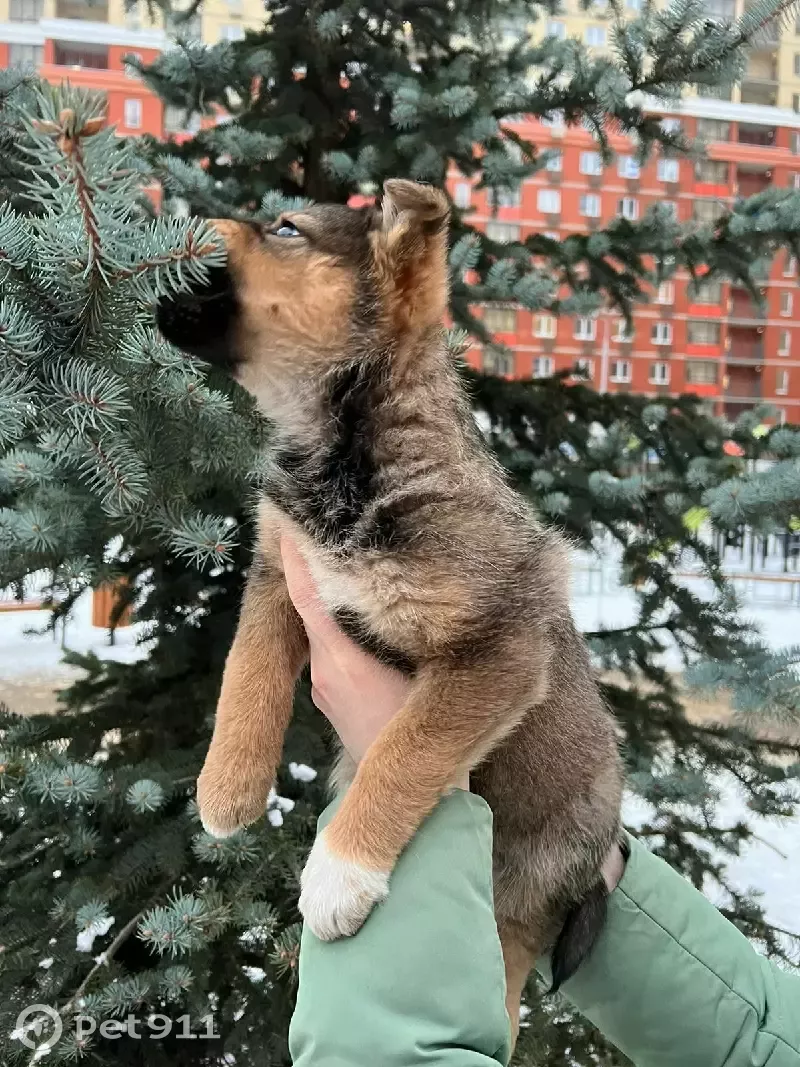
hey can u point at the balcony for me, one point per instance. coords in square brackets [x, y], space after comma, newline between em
[756, 134]
[756, 91]
[80, 56]
[81, 10]
[744, 310]
[752, 180]
[746, 347]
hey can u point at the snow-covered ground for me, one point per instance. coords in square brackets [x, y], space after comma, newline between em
[771, 865]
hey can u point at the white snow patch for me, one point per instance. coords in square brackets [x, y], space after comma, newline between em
[302, 772]
[46, 964]
[85, 939]
[255, 974]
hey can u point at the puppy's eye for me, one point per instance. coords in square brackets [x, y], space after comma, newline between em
[287, 229]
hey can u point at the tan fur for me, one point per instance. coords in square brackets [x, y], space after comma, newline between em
[422, 543]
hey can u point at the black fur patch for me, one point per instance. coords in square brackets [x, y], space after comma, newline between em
[579, 933]
[353, 625]
[326, 488]
[201, 321]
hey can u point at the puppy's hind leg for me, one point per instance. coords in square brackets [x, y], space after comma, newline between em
[519, 960]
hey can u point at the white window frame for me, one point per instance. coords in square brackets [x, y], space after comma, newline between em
[691, 363]
[628, 167]
[587, 366]
[503, 196]
[661, 333]
[628, 208]
[489, 311]
[556, 28]
[585, 328]
[595, 201]
[543, 366]
[790, 267]
[665, 294]
[595, 31]
[621, 371]
[591, 163]
[551, 196]
[623, 334]
[555, 161]
[782, 382]
[785, 343]
[663, 375]
[667, 166]
[545, 326]
[132, 113]
[462, 195]
[786, 303]
[502, 233]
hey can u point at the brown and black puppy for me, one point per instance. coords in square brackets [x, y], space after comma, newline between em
[332, 318]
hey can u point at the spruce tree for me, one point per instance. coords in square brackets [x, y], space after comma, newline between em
[119, 459]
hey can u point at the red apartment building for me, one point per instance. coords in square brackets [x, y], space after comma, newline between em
[716, 342]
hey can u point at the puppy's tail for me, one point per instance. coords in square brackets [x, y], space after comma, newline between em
[583, 923]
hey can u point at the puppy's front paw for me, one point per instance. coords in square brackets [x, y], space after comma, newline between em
[338, 894]
[228, 801]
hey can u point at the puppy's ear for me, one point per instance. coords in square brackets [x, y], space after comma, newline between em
[411, 253]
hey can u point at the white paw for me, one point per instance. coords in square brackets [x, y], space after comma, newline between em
[337, 894]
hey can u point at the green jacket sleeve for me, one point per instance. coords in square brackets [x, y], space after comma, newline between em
[422, 983]
[673, 984]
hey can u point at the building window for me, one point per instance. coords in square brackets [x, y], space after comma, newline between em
[790, 267]
[782, 382]
[503, 197]
[557, 29]
[796, 65]
[502, 232]
[671, 125]
[659, 373]
[498, 361]
[794, 142]
[555, 160]
[25, 55]
[709, 292]
[713, 130]
[624, 332]
[132, 114]
[500, 320]
[702, 332]
[620, 370]
[667, 170]
[700, 371]
[786, 303]
[784, 343]
[633, 5]
[595, 35]
[69, 54]
[25, 10]
[666, 293]
[178, 120]
[628, 208]
[590, 206]
[462, 195]
[796, 181]
[795, 101]
[231, 31]
[713, 171]
[543, 366]
[552, 119]
[585, 367]
[545, 326]
[591, 163]
[549, 201]
[661, 333]
[585, 329]
[708, 210]
[671, 207]
[628, 167]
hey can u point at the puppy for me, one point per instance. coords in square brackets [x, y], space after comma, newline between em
[332, 319]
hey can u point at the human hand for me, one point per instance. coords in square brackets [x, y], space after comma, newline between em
[357, 694]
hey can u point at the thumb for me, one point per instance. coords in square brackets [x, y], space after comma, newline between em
[303, 592]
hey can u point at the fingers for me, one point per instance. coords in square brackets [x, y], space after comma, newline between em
[303, 593]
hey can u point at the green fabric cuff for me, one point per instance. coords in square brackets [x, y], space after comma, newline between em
[423, 980]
